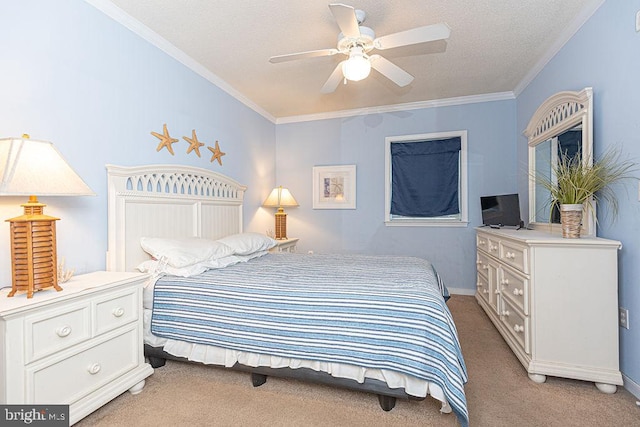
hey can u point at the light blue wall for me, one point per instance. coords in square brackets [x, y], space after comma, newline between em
[71, 75]
[605, 54]
[360, 141]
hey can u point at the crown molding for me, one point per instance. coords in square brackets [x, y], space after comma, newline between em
[447, 102]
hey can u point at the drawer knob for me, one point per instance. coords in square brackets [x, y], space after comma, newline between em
[94, 369]
[479, 284]
[63, 331]
[517, 292]
[482, 241]
[492, 247]
[485, 267]
[118, 312]
[518, 328]
[505, 313]
[505, 281]
[485, 291]
[510, 255]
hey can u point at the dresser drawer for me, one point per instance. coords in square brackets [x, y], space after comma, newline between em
[74, 377]
[516, 324]
[56, 329]
[514, 255]
[488, 244]
[482, 242]
[515, 288]
[483, 264]
[483, 288]
[116, 310]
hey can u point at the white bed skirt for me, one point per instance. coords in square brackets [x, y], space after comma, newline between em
[223, 357]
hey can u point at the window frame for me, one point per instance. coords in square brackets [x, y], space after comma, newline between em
[460, 220]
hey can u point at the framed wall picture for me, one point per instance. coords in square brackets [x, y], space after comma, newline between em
[334, 187]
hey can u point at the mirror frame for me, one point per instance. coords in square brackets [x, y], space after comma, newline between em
[559, 113]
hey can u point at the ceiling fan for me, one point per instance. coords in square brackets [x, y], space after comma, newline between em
[356, 41]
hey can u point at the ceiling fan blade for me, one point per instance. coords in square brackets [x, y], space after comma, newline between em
[334, 79]
[390, 70]
[417, 35]
[346, 18]
[303, 55]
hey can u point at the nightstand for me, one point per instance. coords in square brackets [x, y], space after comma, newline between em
[81, 346]
[285, 245]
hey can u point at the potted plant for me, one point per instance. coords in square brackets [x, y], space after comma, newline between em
[576, 185]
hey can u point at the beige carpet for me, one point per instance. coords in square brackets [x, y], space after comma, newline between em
[499, 393]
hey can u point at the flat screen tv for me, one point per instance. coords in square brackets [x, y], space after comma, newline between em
[500, 211]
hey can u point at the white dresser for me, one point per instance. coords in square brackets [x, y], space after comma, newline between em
[81, 346]
[554, 301]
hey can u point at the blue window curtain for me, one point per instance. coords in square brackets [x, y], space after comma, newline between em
[424, 178]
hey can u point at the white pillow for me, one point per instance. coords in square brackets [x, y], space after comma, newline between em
[186, 251]
[157, 268]
[245, 258]
[223, 262]
[248, 243]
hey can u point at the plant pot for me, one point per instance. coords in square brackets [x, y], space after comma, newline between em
[571, 220]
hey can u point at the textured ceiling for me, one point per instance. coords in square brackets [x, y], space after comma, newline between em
[494, 47]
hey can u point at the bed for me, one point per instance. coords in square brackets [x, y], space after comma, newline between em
[377, 324]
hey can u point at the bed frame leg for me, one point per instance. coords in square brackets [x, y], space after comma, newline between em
[156, 362]
[387, 403]
[258, 379]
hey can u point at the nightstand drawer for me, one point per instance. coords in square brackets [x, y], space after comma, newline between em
[116, 310]
[54, 330]
[74, 377]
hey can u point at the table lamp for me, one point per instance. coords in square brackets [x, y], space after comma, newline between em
[29, 167]
[280, 198]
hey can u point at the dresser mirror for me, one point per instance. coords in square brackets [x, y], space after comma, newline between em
[562, 124]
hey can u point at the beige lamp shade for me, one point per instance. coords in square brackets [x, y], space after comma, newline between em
[30, 167]
[279, 198]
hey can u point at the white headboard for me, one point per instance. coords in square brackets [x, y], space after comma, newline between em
[167, 201]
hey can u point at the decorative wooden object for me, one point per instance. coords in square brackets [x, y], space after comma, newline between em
[217, 154]
[281, 224]
[33, 250]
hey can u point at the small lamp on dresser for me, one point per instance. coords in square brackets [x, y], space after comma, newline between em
[29, 167]
[280, 198]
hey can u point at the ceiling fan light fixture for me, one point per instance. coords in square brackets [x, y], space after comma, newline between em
[357, 67]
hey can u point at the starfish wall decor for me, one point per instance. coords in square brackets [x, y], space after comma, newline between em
[165, 139]
[194, 144]
[217, 154]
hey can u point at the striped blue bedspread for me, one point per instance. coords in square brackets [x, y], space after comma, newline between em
[369, 311]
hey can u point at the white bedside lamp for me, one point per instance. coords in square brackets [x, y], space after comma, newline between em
[29, 167]
[280, 198]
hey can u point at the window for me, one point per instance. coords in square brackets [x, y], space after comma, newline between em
[426, 179]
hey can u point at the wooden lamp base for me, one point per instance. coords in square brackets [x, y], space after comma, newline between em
[281, 225]
[34, 263]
